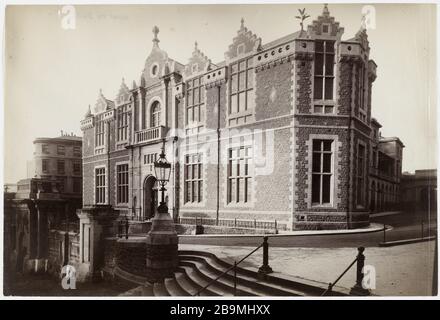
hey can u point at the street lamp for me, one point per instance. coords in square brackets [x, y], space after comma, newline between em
[162, 169]
[161, 241]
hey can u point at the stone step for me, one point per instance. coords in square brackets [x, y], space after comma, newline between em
[174, 289]
[160, 290]
[251, 284]
[226, 283]
[188, 284]
[202, 281]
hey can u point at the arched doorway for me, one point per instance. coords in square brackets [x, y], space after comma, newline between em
[150, 197]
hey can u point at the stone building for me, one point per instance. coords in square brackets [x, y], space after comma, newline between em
[279, 133]
[40, 216]
[419, 191]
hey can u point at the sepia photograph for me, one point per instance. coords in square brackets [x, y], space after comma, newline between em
[220, 150]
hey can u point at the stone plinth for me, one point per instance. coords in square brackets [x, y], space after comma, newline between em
[96, 223]
[162, 245]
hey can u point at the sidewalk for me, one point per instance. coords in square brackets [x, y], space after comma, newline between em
[403, 270]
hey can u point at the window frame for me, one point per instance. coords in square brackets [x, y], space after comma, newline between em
[191, 184]
[236, 159]
[321, 173]
[323, 102]
[100, 189]
[122, 123]
[193, 85]
[361, 176]
[122, 185]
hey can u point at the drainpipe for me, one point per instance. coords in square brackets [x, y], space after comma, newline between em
[108, 162]
[350, 175]
[218, 157]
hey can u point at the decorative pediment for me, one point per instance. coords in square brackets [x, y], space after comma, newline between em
[124, 94]
[243, 43]
[324, 26]
[197, 63]
[103, 104]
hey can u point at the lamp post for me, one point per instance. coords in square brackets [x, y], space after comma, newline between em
[162, 240]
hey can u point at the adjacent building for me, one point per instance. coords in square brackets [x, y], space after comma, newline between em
[279, 133]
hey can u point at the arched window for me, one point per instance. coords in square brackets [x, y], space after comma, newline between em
[155, 114]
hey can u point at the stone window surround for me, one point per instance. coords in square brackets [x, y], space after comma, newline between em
[115, 195]
[106, 200]
[232, 142]
[366, 169]
[194, 124]
[154, 66]
[148, 107]
[336, 74]
[127, 125]
[247, 113]
[336, 159]
[190, 151]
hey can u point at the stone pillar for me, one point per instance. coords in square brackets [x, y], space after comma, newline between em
[96, 223]
[162, 246]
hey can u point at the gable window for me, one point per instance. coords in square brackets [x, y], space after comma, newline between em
[324, 76]
[240, 174]
[61, 150]
[122, 183]
[242, 94]
[195, 101]
[240, 49]
[155, 114]
[322, 172]
[361, 175]
[99, 131]
[100, 185]
[122, 123]
[193, 174]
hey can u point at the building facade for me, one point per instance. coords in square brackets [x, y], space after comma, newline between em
[44, 207]
[277, 133]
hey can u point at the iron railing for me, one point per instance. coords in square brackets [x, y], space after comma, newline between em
[264, 269]
[360, 259]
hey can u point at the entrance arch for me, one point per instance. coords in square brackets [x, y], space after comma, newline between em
[150, 197]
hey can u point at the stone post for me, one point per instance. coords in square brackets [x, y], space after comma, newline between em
[96, 223]
[162, 245]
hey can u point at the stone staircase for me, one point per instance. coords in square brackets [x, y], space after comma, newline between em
[197, 269]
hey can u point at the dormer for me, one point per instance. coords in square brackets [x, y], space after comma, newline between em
[197, 64]
[244, 43]
[103, 104]
[325, 27]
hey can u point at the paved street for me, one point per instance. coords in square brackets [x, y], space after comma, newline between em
[404, 226]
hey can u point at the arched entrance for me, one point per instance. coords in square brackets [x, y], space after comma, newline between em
[150, 197]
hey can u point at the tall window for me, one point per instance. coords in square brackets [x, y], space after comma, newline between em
[122, 123]
[122, 183]
[240, 174]
[45, 165]
[45, 148]
[322, 171]
[195, 100]
[99, 131]
[324, 76]
[100, 185]
[361, 92]
[241, 100]
[60, 166]
[155, 114]
[77, 185]
[61, 150]
[361, 175]
[193, 178]
[76, 167]
[77, 151]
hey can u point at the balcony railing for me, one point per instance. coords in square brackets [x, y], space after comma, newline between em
[150, 134]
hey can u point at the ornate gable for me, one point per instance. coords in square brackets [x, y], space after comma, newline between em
[103, 104]
[324, 26]
[243, 43]
[123, 94]
[197, 63]
[362, 37]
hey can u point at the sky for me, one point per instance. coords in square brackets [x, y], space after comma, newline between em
[52, 74]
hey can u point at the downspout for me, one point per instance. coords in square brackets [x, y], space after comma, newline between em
[108, 162]
[350, 176]
[218, 157]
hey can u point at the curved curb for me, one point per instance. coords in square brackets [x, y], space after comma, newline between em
[374, 227]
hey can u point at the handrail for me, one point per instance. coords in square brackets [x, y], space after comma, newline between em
[360, 259]
[234, 267]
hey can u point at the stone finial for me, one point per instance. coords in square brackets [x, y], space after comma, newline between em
[155, 39]
[196, 46]
[302, 16]
[134, 86]
[325, 11]
[242, 23]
